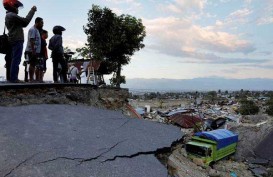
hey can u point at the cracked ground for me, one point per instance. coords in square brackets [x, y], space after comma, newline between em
[80, 141]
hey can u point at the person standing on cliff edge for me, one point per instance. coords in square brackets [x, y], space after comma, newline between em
[15, 25]
[57, 55]
[33, 49]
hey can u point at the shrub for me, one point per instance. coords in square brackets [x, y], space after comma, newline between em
[248, 107]
[269, 109]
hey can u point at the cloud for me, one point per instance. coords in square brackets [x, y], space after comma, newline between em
[233, 20]
[194, 56]
[261, 66]
[265, 20]
[248, 1]
[73, 43]
[264, 53]
[121, 1]
[198, 57]
[117, 11]
[132, 6]
[266, 16]
[174, 36]
[218, 41]
[179, 6]
[129, 2]
[241, 13]
[265, 66]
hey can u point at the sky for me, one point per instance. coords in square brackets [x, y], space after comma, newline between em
[185, 39]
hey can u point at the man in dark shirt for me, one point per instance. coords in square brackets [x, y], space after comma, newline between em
[15, 25]
[8, 63]
[56, 45]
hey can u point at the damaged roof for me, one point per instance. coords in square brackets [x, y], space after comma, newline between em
[185, 121]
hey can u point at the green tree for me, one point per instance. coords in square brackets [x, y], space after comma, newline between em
[212, 96]
[68, 50]
[83, 52]
[113, 38]
[248, 107]
[269, 105]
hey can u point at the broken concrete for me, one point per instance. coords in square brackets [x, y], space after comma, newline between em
[80, 141]
[259, 172]
[180, 166]
[249, 137]
[264, 149]
[72, 94]
[258, 161]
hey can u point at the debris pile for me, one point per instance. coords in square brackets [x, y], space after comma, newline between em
[193, 114]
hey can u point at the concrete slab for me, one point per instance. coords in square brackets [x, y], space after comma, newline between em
[264, 149]
[79, 141]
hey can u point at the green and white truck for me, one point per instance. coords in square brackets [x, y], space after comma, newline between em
[212, 146]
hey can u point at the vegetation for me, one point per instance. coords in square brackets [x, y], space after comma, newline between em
[269, 105]
[248, 107]
[113, 38]
[212, 96]
[83, 52]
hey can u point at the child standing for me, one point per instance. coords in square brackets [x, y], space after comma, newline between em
[44, 55]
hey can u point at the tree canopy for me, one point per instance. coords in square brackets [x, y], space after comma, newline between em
[248, 107]
[269, 105]
[113, 38]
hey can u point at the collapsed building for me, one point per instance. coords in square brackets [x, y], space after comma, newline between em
[253, 156]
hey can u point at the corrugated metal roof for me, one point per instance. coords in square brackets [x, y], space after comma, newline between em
[185, 121]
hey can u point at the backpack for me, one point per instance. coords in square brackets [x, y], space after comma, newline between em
[4, 43]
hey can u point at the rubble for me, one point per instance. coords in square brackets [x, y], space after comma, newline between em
[264, 148]
[180, 166]
[249, 137]
[253, 156]
[252, 129]
[259, 171]
[226, 167]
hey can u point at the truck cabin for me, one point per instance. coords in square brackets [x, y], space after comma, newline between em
[200, 151]
[212, 146]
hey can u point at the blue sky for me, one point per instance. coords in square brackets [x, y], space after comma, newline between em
[185, 38]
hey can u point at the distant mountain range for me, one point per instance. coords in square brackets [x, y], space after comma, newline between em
[198, 84]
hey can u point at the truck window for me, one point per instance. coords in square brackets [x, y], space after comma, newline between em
[209, 152]
[196, 150]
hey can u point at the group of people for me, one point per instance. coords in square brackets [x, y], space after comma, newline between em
[36, 48]
[81, 76]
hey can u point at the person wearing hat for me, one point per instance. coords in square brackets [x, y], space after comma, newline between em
[57, 55]
[15, 25]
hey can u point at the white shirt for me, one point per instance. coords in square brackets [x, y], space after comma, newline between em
[83, 77]
[33, 34]
[73, 71]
